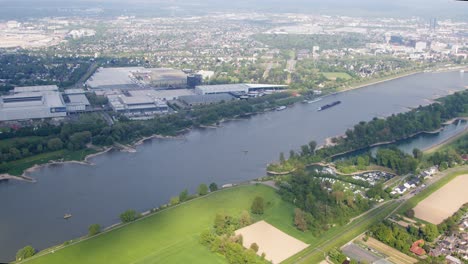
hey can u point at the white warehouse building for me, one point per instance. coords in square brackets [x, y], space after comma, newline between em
[32, 103]
[236, 88]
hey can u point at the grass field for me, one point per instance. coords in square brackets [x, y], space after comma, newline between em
[394, 255]
[334, 75]
[171, 236]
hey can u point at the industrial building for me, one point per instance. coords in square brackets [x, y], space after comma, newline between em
[76, 100]
[32, 103]
[129, 78]
[205, 99]
[137, 104]
[237, 88]
[38, 88]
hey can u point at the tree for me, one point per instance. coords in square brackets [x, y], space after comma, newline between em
[183, 196]
[94, 229]
[174, 200]
[299, 220]
[54, 144]
[281, 158]
[128, 216]
[245, 219]
[409, 213]
[213, 187]
[258, 205]
[417, 153]
[312, 146]
[26, 252]
[254, 247]
[429, 232]
[202, 189]
[305, 150]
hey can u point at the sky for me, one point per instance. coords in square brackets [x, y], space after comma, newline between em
[424, 8]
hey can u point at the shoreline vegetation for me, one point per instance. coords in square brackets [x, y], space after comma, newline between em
[132, 146]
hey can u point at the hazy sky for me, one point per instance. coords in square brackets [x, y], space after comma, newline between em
[427, 8]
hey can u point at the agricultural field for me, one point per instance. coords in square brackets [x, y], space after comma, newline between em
[334, 75]
[276, 244]
[443, 202]
[172, 235]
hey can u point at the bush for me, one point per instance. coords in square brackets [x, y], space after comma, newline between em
[26, 252]
[254, 247]
[128, 216]
[213, 187]
[174, 200]
[202, 189]
[94, 229]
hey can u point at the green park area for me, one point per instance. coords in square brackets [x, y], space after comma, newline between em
[172, 235]
[335, 75]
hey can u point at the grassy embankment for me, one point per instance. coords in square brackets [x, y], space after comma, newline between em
[171, 236]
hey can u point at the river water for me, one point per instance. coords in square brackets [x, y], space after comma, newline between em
[32, 213]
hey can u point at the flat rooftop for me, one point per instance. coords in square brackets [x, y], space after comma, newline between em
[37, 88]
[134, 77]
[166, 95]
[105, 78]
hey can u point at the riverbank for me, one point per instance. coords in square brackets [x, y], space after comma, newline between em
[446, 142]
[398, 76]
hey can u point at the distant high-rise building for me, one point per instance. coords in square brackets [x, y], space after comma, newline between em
[432, 24]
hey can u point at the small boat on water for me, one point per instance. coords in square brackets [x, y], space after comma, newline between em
[328, 105]
[67, 216]
[280, 108]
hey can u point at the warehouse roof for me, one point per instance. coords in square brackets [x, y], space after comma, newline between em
[206, 98]
[37, 88]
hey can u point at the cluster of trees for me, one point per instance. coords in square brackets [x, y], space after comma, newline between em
[28, 141]
[221, 239]
[129, 216]
[399, 126]
[338, 257]
[24, 253]
[320, 208]
[400, 238]
[21, 69]
[185, 196]
[396, 160]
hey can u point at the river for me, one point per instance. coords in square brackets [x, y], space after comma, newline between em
[32, 213]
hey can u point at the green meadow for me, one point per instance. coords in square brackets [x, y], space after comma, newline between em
[171, 236]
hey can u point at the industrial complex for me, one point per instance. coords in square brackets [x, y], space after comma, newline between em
[136, 92]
